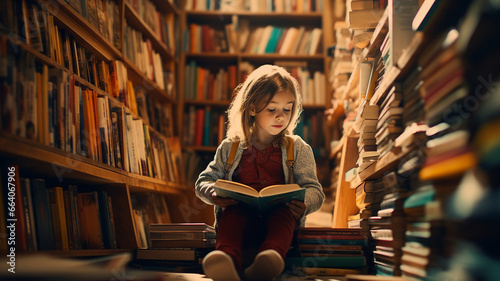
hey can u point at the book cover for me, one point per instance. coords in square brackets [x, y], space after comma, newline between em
[262, 201]
[336, 262]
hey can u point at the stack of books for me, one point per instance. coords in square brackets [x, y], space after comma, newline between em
[177, 247]
[369, 194]
[388, 228]
[389, 125]
[366, 124]
[329, 251]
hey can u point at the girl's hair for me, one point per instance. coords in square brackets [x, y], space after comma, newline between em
[258, 90]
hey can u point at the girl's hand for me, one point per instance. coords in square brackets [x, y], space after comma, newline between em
[297, 208]
[223, 202]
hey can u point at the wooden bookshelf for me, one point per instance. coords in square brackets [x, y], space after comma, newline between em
[239, 57]
[54, 164]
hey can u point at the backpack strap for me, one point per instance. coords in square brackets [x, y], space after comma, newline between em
[289, 159]
[230, 160]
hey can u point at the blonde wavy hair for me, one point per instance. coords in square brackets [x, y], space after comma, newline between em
[257, 92]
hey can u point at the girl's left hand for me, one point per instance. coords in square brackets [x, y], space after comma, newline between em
[297, 208]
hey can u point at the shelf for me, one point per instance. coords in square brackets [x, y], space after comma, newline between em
[47, 160]
[313, 18]
[213, 57]
[140, 79]
[134, 20]
[41, 57]
[387, 82]
[202, 148]
[378, 35]
[268, 57]
[339, 147]
[166, 6]
[92, 40]
[383, 164]
[208, 103]
[86, 253]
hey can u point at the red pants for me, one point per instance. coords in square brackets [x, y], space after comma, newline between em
[241, 227]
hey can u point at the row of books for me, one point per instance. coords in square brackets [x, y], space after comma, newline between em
[177, 246]
[55, 111]
[103, 15]
[147, 60]
[205, 126]
[161, 24]
[261, 6]
[328, 251]
[309, 127]
[204, 84]
[148, 209]
[54, 217]
[205, 38]
[281, 40]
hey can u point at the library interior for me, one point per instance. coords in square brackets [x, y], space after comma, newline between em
[111, 109]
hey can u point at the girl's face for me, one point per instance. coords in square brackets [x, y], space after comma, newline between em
[274, 118]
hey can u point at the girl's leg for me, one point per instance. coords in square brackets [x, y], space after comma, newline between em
[232, 228]
[280, 229]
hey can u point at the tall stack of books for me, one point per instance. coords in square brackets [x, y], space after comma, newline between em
[366, 124]
[329, 251]
[388, 227]
[177, 247]
[389, 124]
[369, 194]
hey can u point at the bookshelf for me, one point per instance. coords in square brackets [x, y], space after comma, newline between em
[435, 154]
[90, 110]
[238, 52]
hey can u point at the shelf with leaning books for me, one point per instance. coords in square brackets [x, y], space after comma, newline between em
[34, 155]
[241, 7]
[161, 36]
[108, 46]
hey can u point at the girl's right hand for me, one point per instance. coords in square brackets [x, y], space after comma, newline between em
[223, 202]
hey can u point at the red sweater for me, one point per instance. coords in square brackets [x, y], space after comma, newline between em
[260, 168]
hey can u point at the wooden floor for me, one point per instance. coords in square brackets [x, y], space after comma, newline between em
[283, 277]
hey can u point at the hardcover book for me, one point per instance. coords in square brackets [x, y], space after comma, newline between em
[262, 201]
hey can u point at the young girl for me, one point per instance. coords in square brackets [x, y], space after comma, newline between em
[265, 110]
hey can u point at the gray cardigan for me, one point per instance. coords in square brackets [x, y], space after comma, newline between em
[304, 174]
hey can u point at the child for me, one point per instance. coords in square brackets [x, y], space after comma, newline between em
[264, 111]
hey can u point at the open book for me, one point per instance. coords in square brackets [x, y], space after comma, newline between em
[262, 201]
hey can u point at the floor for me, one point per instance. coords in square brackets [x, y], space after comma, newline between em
[283, 277]
[321, 218]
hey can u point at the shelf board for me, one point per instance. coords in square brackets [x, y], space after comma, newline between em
[317, 57]
[312, 18]
[387, 82]
[47, 160]
[339, 147]
[166, 6]
[136, 21]
[314, 106]
[39, 56]
[139, 79]
[378, 35]
[86, 253]
[224, 103]
[202, 148]
[213, 57]
[383, 164]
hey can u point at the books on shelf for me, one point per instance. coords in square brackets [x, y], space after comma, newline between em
[263, 200]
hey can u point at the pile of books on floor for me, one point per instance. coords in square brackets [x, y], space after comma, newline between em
[177, 247]
[328, 251]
